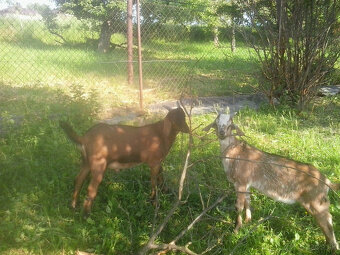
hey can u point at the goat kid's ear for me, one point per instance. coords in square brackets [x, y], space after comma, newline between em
[210, 126]
[239, 132]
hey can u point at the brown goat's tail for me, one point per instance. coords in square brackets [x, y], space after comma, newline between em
[71, 133]
[335, 186]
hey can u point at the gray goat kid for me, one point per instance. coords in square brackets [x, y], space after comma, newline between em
[277, 177]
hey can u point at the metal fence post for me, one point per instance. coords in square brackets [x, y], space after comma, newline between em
[139, 57]
[129, 42]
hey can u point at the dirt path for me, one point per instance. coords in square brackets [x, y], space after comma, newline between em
[202, 105]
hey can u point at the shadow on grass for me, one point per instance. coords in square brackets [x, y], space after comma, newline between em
[38, 165]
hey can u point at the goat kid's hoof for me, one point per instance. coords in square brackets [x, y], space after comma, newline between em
[73, 205]
[236, 229]
[154, 202]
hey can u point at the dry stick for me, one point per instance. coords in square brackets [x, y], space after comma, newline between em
[219, 200]
[150, 244]
[167, 247]
[128, 215]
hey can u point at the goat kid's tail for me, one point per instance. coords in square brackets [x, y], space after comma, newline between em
[71, 133]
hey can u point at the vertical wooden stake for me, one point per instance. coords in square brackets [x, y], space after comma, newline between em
[139, 57]
[129, 42]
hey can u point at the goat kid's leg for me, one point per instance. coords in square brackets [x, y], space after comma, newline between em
[324, 220]
[320, 211]
[85, 169]
[247, 206]
[240, 203]
[97, 172]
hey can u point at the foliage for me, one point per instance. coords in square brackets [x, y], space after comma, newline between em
[110, 16]
[297, 45]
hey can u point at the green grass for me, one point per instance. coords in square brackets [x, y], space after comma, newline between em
[31, 56]
[38, 163]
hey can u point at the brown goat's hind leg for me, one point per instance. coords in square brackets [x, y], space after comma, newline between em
[97, 172]
[160, 180]
[85, 169]
[240, 203]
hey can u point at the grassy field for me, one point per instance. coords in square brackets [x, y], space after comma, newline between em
[32, 57]
[38, 163]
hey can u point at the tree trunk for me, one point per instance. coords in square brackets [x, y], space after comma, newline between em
[233, 39]
[216, 40]
[105, 37]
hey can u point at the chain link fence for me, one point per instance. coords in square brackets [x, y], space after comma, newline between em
[40, 46]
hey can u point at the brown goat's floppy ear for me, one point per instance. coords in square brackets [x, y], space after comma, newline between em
[167, 107]
[210, 126]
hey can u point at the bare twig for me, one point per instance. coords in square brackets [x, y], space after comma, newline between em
[219, 200]
[150, 244]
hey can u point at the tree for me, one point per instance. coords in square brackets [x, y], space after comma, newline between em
[110, 15]
[231, 13]
[296, 44]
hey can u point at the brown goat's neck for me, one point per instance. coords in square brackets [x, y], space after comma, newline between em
[168, 137]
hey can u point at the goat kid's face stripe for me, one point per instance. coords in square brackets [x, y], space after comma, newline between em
[223, 123]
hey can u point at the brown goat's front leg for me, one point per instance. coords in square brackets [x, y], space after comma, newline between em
[155, 172]
[85, 169]
[97, 177]
[240, 203]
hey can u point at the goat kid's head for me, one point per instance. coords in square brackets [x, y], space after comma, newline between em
[176, 117]
[224, 126]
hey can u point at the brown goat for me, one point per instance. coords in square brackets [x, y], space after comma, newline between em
[280, 178]
[119, 147]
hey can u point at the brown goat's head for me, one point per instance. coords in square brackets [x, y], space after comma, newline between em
[177, 120]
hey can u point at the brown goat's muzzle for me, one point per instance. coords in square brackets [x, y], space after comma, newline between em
[185, 128]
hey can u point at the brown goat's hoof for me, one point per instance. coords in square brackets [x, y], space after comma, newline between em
[86, 216]
[165, 189]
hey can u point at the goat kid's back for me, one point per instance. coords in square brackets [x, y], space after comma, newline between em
[282, 179]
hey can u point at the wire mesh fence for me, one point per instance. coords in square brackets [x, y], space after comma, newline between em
[59, 47]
